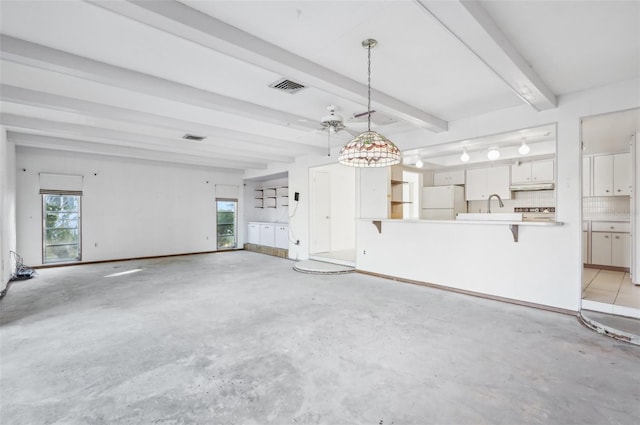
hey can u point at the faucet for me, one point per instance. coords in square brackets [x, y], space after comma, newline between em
[489, 202]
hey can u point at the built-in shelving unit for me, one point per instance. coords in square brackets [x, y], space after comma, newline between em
[272, 197]
[397, 188]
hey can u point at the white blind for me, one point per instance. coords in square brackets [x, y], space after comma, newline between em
[60, 182]
[227, 191]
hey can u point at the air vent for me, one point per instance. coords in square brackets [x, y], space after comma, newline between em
[193, 137]
[287, 86]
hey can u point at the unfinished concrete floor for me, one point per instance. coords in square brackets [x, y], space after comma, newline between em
[240, 338]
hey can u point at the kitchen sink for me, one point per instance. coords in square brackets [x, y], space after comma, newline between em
[490, 216]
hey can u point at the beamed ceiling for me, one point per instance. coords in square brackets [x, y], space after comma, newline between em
[130, 78]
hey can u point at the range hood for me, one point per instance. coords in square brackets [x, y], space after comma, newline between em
[521, 187]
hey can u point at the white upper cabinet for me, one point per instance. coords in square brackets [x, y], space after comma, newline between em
[483, 182]
[612, 175]
[447, 178]
[622, 174]
[532, 172]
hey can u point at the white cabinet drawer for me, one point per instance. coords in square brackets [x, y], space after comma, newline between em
[610, 226]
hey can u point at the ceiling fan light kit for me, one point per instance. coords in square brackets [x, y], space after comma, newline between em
[369, 149]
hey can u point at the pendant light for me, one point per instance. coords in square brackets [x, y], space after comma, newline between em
[524, 148]
[369, 149]
[465, 155]
[493, 154]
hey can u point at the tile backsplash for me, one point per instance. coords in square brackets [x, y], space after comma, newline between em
[537, 198]
[605, 206]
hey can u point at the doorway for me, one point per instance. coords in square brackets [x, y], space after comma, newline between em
[608, 203]
[332, 214]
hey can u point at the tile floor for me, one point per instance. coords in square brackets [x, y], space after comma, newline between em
[612, 288]
[344, 257]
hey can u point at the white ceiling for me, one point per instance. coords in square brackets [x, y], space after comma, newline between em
[129, 78]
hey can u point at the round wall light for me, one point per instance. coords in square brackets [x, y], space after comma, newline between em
[465, 156]
[493, 154]
[524, 148]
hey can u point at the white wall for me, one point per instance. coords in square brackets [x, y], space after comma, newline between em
[130, 208]
[7, 207]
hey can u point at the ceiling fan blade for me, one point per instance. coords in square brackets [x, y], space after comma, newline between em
[354, 133]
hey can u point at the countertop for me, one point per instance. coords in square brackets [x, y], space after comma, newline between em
[620, 218]
[492, 222]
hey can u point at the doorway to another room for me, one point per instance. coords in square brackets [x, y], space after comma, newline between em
[609, 277]
[332, 214]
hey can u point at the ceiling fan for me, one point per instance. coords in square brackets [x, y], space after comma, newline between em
[333, 123]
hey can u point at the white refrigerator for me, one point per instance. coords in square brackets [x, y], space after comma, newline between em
[442, 202]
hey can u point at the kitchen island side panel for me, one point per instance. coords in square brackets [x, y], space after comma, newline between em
[479, 258]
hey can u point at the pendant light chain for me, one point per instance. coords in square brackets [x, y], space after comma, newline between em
[369, 88]
[369, 148]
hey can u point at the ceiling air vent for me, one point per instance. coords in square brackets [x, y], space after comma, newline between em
[287, 86]
[193, 137]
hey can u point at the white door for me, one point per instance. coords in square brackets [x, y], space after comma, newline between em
[321, 210]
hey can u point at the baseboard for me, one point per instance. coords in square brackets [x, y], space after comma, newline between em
[476, 294]
[612, 268]
[82, 263]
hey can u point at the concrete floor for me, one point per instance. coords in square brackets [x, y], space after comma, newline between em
[240, 338]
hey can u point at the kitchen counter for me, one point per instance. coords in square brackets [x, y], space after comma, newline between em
[514, 226]
[492, 222]
[472, 256]
[620, 218]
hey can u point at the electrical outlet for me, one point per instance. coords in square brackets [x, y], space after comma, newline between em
[296, 196]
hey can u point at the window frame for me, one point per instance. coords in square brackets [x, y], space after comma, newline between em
[43, 194]
[235, 224]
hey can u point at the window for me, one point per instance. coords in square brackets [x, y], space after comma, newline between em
[60, 228]
[226, 218]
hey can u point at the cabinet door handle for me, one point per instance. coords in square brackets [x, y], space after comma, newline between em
[607, 190]
[611, 227]
[619, 190]
[617, 237]
[606, 236]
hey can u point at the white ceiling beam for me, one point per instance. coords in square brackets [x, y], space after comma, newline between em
[183, 21]
[470, 23]
[32, 54]
[120, 138]
[233, 138]
[79, 146]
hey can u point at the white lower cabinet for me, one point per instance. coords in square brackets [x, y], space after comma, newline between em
[282, 236]
[253, 233]
[267, 234]
[601, 248]
[621, 249]
[610, 249]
